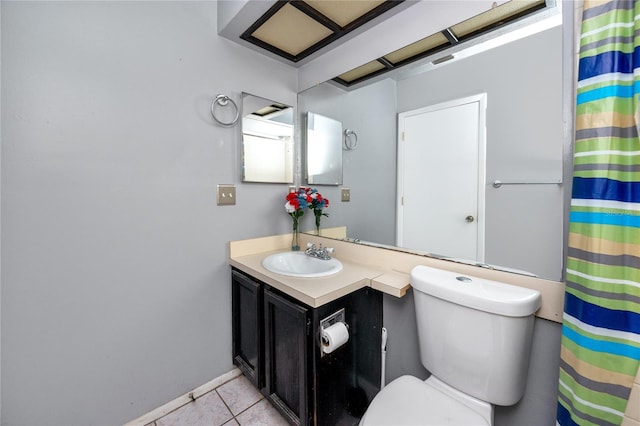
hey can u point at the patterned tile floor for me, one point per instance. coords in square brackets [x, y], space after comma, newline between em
[236, 402]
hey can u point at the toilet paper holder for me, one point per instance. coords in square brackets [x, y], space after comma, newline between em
[338, 316]
[335, 317]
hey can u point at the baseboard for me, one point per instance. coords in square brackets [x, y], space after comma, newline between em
[185, 399]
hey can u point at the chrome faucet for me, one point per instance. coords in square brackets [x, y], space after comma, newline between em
[318, 252]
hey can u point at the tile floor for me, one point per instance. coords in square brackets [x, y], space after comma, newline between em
[236, 402]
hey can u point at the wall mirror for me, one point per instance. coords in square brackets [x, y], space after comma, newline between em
[525, 143]
[267, 140]
[323, 149]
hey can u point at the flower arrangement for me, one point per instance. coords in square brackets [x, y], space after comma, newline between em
[297, 202]
[318, 204]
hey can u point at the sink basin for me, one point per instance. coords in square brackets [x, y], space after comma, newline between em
[298, 264]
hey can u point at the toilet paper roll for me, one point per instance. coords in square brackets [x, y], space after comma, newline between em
[334, 336]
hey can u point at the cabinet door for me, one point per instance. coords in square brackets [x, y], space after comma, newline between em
[247, 327]
[286, 364]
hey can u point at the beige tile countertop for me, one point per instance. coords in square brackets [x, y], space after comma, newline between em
[247, 256]
[385, 270]
[310, 291]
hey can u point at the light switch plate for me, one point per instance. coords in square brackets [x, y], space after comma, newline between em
[345, 193]
[226, 195]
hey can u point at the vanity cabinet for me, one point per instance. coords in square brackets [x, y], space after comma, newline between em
[247, 340]
[287, 328]
[276, 344]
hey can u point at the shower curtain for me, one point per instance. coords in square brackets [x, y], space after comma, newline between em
[600, 349]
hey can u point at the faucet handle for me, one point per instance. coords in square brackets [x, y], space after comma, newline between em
[329, 249]
[311, 246]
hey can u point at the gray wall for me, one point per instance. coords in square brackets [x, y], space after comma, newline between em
[522, 129]
[523, 82]
[524, 135]
[0, 220]
[369, 170]
[115, 283]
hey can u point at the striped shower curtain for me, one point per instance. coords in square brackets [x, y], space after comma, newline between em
[601, 325]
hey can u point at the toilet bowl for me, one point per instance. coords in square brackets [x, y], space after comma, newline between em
[409, 401]
[474, 337]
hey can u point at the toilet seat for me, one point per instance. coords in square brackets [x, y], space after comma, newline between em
[409, 401]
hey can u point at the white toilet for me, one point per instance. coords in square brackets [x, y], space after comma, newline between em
[475, 339]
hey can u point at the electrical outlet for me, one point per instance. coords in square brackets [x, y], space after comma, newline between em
[226, 195]
[345, 193]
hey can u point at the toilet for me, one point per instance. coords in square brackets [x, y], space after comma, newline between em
[475, 339]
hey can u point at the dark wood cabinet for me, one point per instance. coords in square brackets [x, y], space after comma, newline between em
[287, 331]
[247, 328]
[276, 344]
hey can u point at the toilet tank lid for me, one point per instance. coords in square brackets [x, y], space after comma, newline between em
[477, 293]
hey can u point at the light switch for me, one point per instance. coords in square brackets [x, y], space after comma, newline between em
[345, 194]
[226, 195]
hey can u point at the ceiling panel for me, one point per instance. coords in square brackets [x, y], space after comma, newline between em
[497, 16]
[295, 29]
[291, 30]
[361, 71]
[344, 12]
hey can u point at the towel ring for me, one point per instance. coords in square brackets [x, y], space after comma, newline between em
[349, 142]
[223, 101]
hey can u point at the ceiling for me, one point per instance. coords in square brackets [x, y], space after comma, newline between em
[297, 29]
[496, 17]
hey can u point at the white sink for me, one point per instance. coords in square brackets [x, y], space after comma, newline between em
[298, 264]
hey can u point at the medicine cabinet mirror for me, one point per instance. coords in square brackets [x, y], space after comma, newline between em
[267, 140]
[323, 143]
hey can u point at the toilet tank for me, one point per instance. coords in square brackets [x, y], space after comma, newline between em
[475, 334]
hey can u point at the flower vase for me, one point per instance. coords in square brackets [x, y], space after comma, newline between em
[318, 214]
[295, 240]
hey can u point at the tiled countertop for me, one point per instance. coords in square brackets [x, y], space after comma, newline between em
[247, 256]
[311, 291]
[382, 269]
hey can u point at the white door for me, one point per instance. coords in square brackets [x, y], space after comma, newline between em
[441, 178]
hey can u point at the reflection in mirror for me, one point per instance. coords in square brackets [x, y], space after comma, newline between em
[323, 137]
[524, 145]
[267, 140]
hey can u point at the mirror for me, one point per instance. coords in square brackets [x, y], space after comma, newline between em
[323, 143]
[523, 218]
[267, 140]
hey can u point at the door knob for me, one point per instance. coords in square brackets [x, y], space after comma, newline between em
[469, 219]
